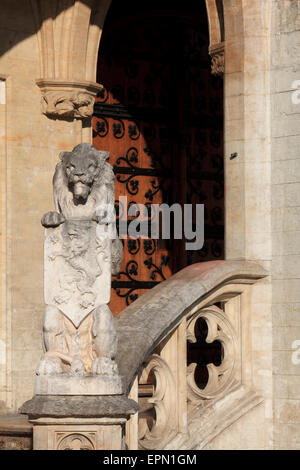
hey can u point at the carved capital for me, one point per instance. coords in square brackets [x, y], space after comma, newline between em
[217, 53]
[66, 99]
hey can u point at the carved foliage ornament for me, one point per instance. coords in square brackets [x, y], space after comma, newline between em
[74, 104]
[222, 377]
[217, 54]
[71, 100]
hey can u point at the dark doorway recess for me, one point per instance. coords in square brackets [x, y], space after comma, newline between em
[160, 115]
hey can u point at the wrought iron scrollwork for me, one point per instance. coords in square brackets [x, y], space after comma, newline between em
[102, 127]
[118, 129]
[134, 246]
[138, 108]
[149, 247]
[133, 131]
[157, 270]
[130, 158]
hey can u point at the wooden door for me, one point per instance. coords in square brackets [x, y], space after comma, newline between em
[147, 116]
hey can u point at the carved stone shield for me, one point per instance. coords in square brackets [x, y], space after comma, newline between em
[77, 267]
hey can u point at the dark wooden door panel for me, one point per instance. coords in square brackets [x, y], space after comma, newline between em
[160, 117]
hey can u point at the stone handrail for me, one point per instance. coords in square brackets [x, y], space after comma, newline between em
[199, 319]
[197, 322]
[143, 324]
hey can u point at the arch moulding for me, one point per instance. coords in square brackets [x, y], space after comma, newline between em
[215, 13]
[68, 36]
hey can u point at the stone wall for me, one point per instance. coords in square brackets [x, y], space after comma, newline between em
[29, 148]
[262, 194]
[248, 194]
[285, 70]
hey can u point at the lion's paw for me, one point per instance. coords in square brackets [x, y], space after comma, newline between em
[104, 366]
[49, 366]
[52, 219]
[77, 368]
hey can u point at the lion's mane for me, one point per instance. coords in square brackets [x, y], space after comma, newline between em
[102, 188]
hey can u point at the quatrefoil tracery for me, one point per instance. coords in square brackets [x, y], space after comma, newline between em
[220, 365]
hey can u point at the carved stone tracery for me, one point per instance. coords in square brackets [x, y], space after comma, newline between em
[75, 441]
[158, 418]
[164, 402]
[221, 377]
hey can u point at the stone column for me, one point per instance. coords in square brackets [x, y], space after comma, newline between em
[68, 36]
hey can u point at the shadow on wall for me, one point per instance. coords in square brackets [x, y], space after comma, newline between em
[21, 19]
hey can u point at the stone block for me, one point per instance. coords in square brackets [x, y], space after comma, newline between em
[286, 267]
[287, 411]
[286, 314]
[86, 385]
[285, 125]
[233, 55]
[78, 434]
[286, 173]
[284, 337]
[283, 79]
[283, 364]
[287, 386]
[234, 84]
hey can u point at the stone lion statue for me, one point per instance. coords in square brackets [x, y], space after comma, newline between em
[75, 341]
[82, 181]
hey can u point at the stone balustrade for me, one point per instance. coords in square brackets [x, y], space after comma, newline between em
[198, 320]
[189, 395]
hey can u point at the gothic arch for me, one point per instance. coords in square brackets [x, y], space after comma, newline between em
[69, 35]
[71, 68]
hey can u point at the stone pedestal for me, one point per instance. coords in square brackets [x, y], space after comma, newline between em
[79, 422]
[78, 402]
[78, 433]
[64, 384]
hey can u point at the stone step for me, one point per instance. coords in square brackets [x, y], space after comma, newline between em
[15, 433]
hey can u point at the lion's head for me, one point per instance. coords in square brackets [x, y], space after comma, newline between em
[82, 167]
[78, 179]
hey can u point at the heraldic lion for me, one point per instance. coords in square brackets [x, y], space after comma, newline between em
[83, 182]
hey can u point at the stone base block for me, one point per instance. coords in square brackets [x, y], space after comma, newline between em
[78, 433]
[79, 422]
[15, 433]
[82, 385]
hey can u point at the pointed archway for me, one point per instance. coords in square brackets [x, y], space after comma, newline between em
[160, 114]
